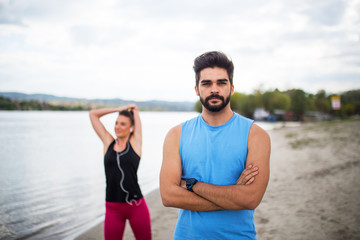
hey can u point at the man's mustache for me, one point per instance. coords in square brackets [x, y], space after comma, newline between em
[214, 96]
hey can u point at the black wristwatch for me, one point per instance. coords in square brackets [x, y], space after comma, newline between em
[190, 183]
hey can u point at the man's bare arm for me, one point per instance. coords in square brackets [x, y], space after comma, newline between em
[239, 197]
[172, 188]
[172, 194]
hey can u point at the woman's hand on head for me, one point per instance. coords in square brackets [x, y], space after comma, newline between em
[135, 108]
[130, 107]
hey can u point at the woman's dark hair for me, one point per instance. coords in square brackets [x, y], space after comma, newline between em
[128, 114]
[213, 59]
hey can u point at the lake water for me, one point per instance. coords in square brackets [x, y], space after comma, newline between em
[52, 183]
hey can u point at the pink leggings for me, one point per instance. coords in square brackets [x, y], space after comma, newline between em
[137, 214]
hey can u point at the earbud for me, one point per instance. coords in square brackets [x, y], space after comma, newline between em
[131, 129]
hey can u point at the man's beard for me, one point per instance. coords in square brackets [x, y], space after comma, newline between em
[215, 108]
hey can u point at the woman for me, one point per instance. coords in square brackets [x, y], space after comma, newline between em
[124, 200]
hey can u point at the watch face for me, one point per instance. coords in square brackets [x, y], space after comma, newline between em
[190, 182]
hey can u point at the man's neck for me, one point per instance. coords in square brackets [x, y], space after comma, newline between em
[217, 118]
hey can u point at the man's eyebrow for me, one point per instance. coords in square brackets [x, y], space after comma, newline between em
[219, 80]
[222, 80]
[205, 81]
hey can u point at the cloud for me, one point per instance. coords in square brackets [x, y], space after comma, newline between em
[6, 19]
[329, 12]
[10, 20]
[145, 50]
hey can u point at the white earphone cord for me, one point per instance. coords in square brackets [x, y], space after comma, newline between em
[118, 155]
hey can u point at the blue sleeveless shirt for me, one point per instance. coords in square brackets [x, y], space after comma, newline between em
[215, 155]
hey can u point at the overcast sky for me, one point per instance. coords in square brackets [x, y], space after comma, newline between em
[142, 49]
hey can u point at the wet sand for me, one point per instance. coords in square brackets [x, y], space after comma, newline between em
[313, 193]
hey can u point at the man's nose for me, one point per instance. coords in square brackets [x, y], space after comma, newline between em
[214, 89]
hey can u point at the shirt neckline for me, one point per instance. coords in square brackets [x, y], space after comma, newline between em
[220, 126]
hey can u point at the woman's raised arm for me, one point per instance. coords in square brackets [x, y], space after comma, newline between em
[136, 138]
[99, 128]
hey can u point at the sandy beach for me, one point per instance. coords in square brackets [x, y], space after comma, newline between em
[313, 193]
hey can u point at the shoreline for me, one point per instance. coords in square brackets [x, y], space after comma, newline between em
[313, 191]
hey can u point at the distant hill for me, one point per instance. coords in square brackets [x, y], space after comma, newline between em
[37, 97]
[153, 105]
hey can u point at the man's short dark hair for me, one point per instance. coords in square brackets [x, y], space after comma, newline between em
[213, 59]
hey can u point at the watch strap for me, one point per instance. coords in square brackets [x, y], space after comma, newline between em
[190, 183]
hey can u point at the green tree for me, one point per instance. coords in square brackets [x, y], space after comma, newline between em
[250, 105]
[198, 106]
[322, 102]
[266, 100]
[353, 98]
[237, 101]
[348, 109]
[244, 104]
[6, 104]
[258, 98]
[280, 100]
[310, 102]
[298, 102]
[276, 100]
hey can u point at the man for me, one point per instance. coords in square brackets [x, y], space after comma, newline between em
[215, 166]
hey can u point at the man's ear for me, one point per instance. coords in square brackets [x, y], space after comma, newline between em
[197, 90]
[232, 89]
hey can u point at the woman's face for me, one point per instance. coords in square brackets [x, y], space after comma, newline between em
[122, 126]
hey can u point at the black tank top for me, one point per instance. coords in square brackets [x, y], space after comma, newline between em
[121, 174]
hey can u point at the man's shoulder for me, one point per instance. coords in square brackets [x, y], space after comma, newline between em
[175, 130]
[258, 133]
[173, 136]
